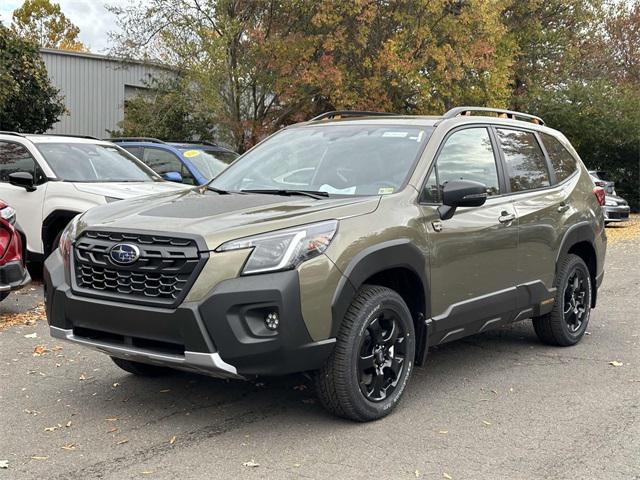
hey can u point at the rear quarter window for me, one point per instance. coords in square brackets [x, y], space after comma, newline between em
[564, 164]
[526, 164]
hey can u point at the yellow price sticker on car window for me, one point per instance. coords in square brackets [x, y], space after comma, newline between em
[385, 190]
[191, 153]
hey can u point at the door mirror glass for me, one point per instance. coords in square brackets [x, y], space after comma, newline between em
[461, 193]
[173, 177]
[22, 179]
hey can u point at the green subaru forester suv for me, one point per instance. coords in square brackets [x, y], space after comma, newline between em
[346, 245]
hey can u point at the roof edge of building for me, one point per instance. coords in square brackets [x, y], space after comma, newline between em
[109, 58]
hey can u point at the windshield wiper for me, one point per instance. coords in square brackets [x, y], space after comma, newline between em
[317, 194]
[218, 190]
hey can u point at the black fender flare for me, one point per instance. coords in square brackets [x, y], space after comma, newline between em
[578, 233]
[401, 253]
[52, 224]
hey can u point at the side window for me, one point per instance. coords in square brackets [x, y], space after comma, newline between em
[526, 165]
[466, 155]
[16, 158]
[162, 162]
[135, 151]
[564, 164]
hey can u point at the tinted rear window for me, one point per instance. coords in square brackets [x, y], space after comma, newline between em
[526, 164]
[564, 164]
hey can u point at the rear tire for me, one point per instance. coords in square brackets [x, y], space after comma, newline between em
[371, 364]
[141, 369]
[566, 323]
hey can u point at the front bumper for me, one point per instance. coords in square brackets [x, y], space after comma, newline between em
[13, 276]
[618, 213]
[222, 335]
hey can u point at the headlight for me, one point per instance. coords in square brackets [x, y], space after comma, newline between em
[9, 214]
[611, 203]
[67, 238]
[283, 249]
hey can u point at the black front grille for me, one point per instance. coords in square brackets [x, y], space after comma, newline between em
[166, 268]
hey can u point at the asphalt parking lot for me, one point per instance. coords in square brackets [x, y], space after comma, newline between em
[496, 405]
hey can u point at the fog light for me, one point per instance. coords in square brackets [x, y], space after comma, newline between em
[272, 321]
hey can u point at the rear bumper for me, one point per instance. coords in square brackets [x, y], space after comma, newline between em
[616, 214]
[13, 276]
[223, 335]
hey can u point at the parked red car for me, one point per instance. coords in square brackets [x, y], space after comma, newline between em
[13, 271]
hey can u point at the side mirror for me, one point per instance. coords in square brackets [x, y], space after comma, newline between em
[22, 179]
[173, 177]
[461, 193]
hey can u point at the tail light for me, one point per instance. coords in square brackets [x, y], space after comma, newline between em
[5, 238]
[600, 194]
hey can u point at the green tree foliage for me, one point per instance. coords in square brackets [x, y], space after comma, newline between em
[262, 64]
[28, 101]
[595, 98]
[44, 22]
[167, 112]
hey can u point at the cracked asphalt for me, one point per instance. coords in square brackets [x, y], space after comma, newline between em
[496, 405]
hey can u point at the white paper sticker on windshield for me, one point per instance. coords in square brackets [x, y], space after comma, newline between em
[395, 134]
[330, 189]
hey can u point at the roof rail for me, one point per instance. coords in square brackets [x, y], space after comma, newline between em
[195, 142]
[88, 137]
[134, 139]
[513, 115]
[3, 132]
[349, 113]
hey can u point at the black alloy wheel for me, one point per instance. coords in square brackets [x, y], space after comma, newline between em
[382, 356]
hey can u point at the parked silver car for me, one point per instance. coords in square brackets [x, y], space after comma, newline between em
[616, 209]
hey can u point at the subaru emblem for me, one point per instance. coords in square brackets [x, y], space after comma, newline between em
[124, 253]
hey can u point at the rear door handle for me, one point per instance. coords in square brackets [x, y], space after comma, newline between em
[506, 217]
[563, 207]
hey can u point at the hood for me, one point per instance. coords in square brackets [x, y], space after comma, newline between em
[124, 190]
[219, 218]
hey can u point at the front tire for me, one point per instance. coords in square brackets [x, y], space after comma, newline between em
[140, 369]
[371, 364]
[566, 323]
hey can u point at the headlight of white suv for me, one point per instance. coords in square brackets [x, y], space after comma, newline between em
[67, 238]
[283, 249]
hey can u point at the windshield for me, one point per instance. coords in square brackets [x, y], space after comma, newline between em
[337, 159]
[209, 162]
[87, 162]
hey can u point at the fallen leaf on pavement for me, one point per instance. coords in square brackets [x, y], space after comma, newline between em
[615, 363]
[447, 476]
[486, 423]
[38, 458]
[173, 440]
[69, 446]
[39, 350]
[443, 432]
[123, 441]
[251, 464]
[112, 419]
[114, 429]
[31, 335]
[4, 463]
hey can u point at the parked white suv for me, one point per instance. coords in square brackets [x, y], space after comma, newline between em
[49, 179]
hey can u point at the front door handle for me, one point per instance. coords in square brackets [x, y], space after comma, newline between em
[563, 207]
[506, 217]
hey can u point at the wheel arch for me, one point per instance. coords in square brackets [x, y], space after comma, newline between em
[52, 225]
[580, 240]
[396, 264]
